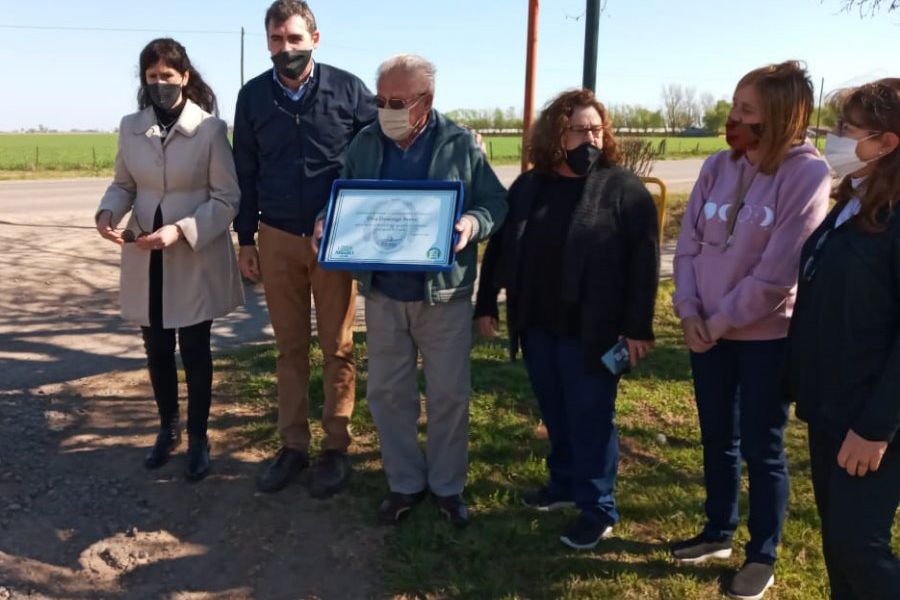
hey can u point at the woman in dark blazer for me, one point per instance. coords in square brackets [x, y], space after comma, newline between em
[844, 347]
[579, 259]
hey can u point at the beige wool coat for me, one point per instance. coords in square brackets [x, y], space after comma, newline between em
[192, 178]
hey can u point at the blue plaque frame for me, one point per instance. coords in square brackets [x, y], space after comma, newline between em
[388, 185]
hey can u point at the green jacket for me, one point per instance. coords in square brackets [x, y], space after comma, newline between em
[455, 157]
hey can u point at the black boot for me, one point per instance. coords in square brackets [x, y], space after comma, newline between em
[198, 464]
[167, 439]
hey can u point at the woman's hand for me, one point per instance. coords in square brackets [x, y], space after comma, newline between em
[488, 326]
[859, 456]
[696, 335]
[163, 237]
[105, 228]
[638, 350]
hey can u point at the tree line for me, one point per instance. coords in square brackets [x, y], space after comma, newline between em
[682, 109]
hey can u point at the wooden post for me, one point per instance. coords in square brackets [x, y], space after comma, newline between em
[530, 60]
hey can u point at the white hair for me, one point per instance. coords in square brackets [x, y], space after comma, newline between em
[411, 64]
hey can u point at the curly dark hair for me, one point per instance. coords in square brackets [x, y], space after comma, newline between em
[175, 56]
[546, 150]
[874, 106]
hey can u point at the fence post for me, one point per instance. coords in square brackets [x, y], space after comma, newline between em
[37, 157]
[94, 153]
[491, 149]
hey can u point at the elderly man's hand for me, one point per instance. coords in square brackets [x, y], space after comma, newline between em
[318, 232]
[465, 227]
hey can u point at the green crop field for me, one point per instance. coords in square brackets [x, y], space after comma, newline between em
[507, 149]
[57, 152]
[85, 154]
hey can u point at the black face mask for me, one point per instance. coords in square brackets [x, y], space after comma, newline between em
[291, 63]
[582, 158]
[164, 95]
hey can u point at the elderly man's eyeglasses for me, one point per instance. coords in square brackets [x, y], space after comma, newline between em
[596, 130]
[397, 103]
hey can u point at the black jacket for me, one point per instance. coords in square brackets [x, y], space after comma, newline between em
[611, 265]
[844, 340]
[288, 155]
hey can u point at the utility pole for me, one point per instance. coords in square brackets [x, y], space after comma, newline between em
[242, 57]
[591, 32]
[819, 112]
[530, 60]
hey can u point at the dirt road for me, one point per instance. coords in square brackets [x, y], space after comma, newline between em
[79, 515]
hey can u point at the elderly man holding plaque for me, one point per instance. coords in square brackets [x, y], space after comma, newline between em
[410, 311]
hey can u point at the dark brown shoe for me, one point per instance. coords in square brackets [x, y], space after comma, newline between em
[329, 474]
[285, 468]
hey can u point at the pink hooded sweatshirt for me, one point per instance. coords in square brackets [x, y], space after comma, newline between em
[747, 289]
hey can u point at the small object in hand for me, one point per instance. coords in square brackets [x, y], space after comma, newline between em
[617, 359]
[129, 237]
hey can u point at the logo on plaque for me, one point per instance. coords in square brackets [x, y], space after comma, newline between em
[392, 223]
[345, 251]
[433, 254]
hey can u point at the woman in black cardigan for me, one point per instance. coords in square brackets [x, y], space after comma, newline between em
[844, 347]
[579, 259]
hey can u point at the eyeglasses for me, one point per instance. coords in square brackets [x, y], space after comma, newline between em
[809, 267]
[397, 103]
[844, 128]
[596, 130]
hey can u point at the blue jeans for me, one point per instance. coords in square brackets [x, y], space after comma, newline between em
[743, 411]
[578, 409]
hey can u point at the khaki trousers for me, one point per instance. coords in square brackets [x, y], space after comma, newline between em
[396, 332]
[290, 271]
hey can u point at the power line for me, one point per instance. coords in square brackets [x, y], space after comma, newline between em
[120, 29]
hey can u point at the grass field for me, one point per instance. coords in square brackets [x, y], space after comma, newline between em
[57, 152]
[53, 155]
[511, 552]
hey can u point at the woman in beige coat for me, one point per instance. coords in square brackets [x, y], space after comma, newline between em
[174, 173]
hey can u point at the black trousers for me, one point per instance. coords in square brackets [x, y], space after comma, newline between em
[193, 344]
[857, 514]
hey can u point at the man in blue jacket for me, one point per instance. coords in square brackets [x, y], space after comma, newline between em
[409, 312]
[292, 125]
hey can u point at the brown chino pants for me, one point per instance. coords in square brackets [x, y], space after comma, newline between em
[289, 271]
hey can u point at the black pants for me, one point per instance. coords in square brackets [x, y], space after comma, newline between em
[857, 514]
[193, 344]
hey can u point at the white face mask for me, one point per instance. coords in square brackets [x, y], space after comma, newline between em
[840, 152]
[395, 123]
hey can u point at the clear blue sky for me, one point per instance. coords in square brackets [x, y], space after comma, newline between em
[88, 79]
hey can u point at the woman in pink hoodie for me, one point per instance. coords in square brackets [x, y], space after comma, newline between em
[736, 268]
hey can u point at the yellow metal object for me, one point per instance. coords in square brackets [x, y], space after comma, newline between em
[659, 197]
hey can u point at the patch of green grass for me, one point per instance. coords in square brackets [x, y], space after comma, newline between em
[511, 552]
[82, 153]
[507, 149]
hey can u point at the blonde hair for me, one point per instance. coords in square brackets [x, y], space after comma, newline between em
[786, 93]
